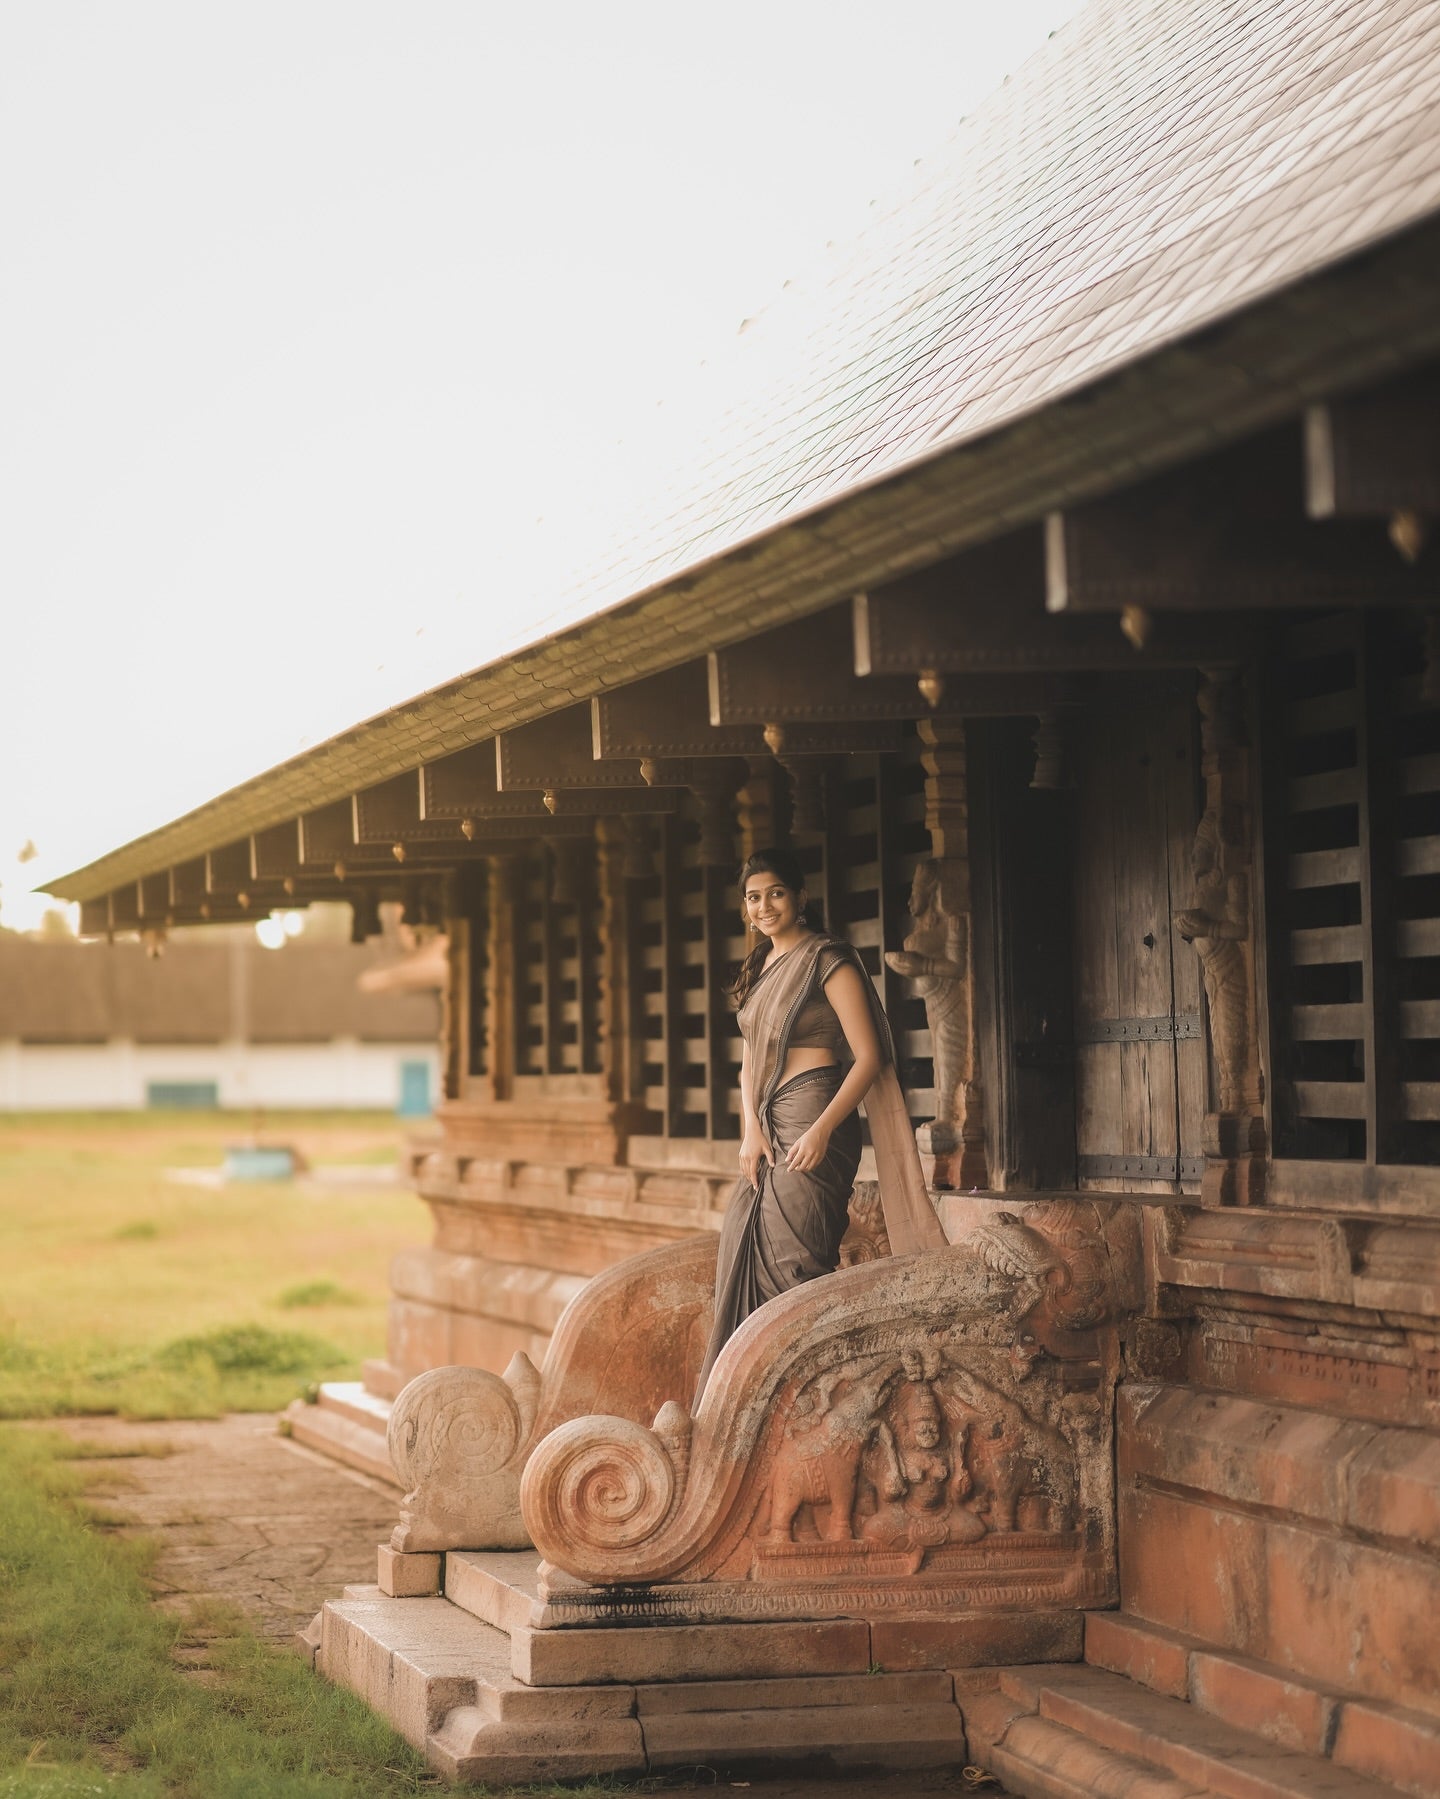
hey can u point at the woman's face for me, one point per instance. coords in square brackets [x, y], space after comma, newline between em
[770, 906]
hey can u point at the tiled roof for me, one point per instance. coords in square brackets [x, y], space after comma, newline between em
[58, 992]
[1157, 169]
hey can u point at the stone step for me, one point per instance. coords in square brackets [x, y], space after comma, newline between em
[416, 1660]
[348, 1424]
[445, 1681]
[499, 1586]
[1369, 1736]
[1084, 1730]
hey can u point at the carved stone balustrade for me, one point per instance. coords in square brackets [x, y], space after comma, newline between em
[459, 1437]
[631, 1339]
[911, 1436]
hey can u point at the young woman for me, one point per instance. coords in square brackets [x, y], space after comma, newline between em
[806, 1007]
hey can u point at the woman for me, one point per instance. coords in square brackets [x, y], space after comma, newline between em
[805, 1002]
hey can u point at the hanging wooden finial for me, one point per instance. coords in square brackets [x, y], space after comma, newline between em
[243, 901]
[1136, 624]
[932, 686]
[1408, 532]
[774, 735]
[649, 770]
[397, 850]
[288, 885]
[339, 871]
[552, 800]
[467, 829]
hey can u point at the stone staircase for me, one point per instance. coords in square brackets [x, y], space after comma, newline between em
[347, 1423]
[476, 1680]
[1151, 1714]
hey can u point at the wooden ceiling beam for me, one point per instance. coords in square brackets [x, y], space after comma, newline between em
[1224, 534]
[665, 721]
[804, 673]
[275, 853]
[1376, 454]
[974, 615]
[228, 867]
[558, 751]
[463, 786]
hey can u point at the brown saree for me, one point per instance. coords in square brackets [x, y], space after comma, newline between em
[787, 1228]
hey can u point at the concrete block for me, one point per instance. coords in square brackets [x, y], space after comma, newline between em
[1284, 1710]
[500, 1587]
[1157, 1658]
[407, 1576]
[472, 1747]
[931, 1687]
[898, 1643]
[688, 1652]
[1401, 1747]
[890, 1736]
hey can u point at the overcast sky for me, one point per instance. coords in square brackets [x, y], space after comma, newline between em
[331, 327]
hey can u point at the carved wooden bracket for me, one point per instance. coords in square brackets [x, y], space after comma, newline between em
[1219, 924]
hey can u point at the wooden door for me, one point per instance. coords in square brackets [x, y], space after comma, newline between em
[1141, 1068]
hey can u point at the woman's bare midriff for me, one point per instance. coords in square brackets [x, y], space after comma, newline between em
[801, 1061]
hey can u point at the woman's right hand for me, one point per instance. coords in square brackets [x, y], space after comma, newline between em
[752, 1153]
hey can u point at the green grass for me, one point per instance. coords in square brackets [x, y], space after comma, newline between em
[92, 1699]
[125, 1292]
[317, 1293]
[123, 1288]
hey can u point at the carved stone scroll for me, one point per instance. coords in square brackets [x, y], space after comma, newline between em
[632, 1338]
[1218, 924]
[893, 1438]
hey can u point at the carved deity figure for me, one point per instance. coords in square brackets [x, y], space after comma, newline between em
[924, 1477]
[1217, 924]
[936, 959]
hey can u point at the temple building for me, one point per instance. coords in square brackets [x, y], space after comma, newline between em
[1072, 607]
[208, 1024]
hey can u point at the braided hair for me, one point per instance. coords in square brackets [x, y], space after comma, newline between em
[785, 866]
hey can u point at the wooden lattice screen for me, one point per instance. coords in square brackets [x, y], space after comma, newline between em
[558, 960]
[688, 940]
[1352, 829]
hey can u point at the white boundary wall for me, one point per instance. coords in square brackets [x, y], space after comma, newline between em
[114, 1076]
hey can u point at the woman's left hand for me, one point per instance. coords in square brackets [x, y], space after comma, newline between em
[808, 1150]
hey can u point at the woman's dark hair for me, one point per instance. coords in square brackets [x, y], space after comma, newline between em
[785, 866]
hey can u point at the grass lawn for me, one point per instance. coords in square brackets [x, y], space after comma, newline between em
[123, 1291]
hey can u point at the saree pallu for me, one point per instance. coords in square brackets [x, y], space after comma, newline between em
[786, 1230]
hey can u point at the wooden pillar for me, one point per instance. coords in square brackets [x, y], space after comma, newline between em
[756, 807]
[1219, 925]
[938, 959]
[500, 976]
[618, 857]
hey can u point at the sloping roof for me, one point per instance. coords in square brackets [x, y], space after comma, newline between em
[59, 992]
[1159, 169]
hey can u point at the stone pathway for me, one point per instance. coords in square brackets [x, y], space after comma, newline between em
[244, 1514]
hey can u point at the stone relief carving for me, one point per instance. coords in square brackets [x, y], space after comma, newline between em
[895, 1436]
[632, 1339]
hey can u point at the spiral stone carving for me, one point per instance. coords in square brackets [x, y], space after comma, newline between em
[595, 1489]
[463, 1421]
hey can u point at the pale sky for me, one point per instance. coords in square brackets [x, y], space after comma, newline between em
[334, 330]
